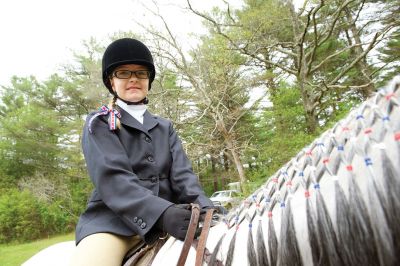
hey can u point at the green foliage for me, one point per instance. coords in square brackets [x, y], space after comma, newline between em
[29, 142]
[23, 217]
[286, 115]
[264, 20]
[250, 186]
[208, 186]
[167, 99]
[281, 132]
[40, 130]
[79, 191]
[390, 56]
[221, 177]
[19, 217]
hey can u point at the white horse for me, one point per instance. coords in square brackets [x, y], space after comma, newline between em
[336, 203]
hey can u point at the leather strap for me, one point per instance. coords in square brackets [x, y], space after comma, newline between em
[194, 219]
[134, 260]
[203, 237]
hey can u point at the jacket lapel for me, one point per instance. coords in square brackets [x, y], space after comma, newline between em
[128, 120]
[149, 121]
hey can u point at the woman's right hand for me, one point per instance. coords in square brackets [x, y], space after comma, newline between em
[175, 220]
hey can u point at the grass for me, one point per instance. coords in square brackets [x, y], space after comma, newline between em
[16, 254]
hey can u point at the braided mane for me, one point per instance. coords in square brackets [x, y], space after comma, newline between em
[336, 203]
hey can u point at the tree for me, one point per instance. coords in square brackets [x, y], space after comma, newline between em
[390, 57]
[218, 89]
[221, 99]
[29, 133]
[308, 45]
[390, 51]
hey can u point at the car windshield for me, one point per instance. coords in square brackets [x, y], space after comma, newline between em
[220, 194]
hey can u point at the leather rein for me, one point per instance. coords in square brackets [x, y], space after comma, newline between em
[190, 235]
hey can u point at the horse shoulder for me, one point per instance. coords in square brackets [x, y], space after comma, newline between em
[58, 254]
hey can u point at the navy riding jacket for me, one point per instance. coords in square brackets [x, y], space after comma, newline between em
[138, 171]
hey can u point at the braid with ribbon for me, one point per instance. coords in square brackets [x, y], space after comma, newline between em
[112, 106]
[113, 116]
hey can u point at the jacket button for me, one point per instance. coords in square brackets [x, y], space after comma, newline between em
[135, 219]
[147, 139]
[143, 225]
[150, 158]
[154, 179]
[139, 222]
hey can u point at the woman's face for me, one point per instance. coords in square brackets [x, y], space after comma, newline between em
[131, 89]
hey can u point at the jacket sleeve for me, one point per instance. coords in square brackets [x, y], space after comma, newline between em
[183, 180]
[117, 185]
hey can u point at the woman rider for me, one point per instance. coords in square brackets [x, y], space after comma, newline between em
[143, 179]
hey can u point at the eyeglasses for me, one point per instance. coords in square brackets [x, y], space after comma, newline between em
[126, 74]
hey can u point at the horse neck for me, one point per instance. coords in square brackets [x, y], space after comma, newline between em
[346, 181]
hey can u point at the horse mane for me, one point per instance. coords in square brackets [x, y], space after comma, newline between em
[335, 203]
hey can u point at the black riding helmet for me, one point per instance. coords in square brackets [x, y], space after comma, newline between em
[126, 51]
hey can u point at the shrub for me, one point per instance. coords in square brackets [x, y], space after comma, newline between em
[20, 217]
[23, 217]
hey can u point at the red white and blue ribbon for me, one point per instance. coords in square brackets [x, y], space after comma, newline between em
[112, 117]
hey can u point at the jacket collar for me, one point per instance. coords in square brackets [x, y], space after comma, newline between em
[149, 121]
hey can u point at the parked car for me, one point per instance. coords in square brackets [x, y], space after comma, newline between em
[225, 198]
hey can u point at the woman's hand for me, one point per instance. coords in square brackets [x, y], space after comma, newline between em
[175, 220]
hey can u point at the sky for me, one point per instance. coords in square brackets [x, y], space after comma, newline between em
[38, 36]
